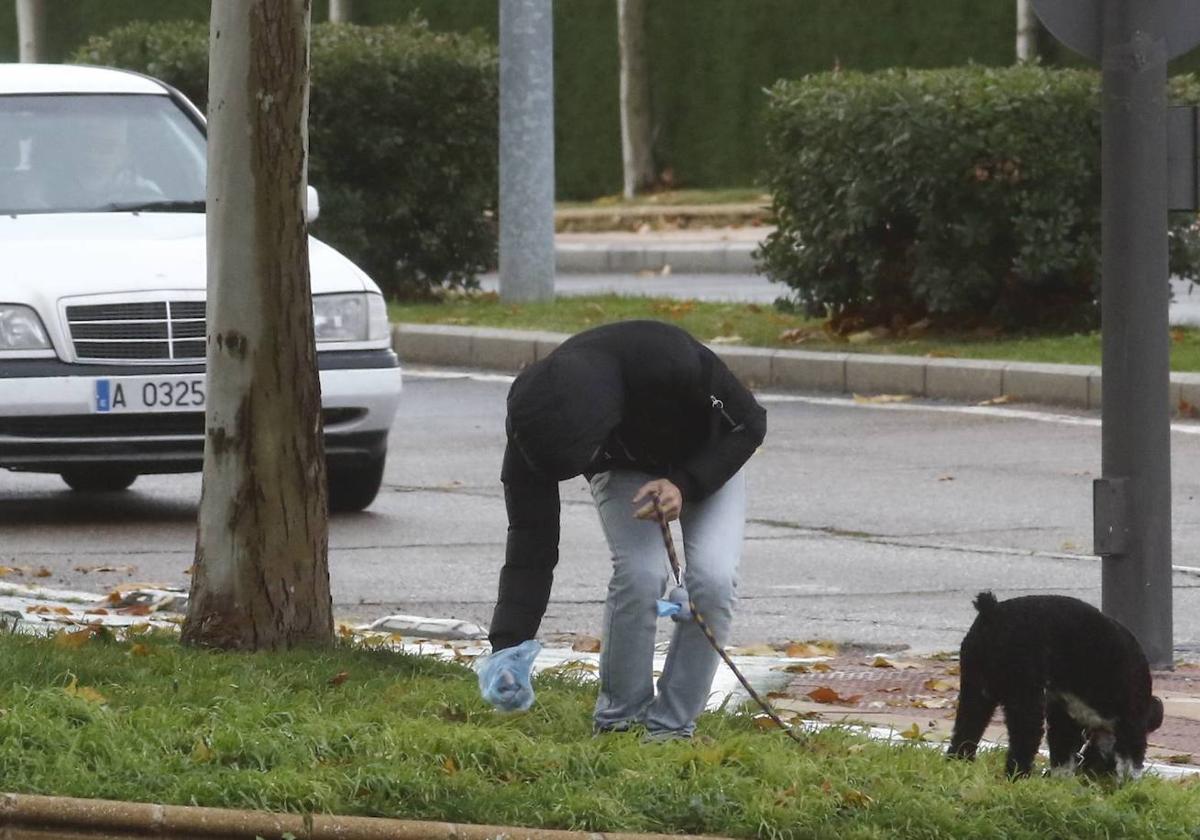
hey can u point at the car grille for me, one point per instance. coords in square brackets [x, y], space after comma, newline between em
[138, 332]
[162, 424]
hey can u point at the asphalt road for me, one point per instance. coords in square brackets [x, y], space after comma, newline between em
[869, 523]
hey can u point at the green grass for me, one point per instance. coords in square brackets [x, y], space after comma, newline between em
[764, 326]
[409, 737]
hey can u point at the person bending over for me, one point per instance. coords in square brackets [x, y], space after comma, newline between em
[643, 411]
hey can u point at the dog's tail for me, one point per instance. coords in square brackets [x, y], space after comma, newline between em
[986, 603]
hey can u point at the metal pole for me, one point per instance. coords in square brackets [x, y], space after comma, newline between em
[526, 150]
[1026, 31]
[31, 30]
[1136, 451]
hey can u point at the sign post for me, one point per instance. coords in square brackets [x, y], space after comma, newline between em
[1133, 39]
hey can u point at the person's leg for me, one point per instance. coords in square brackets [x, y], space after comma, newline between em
[638, 579]
[712, 541]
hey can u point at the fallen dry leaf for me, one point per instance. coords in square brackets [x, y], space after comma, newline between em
[1180, 758]
[913, 733]
[201, 751]
[760, 649]
[881, 662]
[339, 678]
[932, 702]
[84, 692]
[882, 398]
[795, 335]
[794, 668]
[856, 798]
[586, 644]
[821, 667]
[1186, 409]
[726, 339]
[73, 640]
[825, 694]
[42, 572]
[140, 649]
[937, 684]
[807, 650]
[1000, 400]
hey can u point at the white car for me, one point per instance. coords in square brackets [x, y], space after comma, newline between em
[102, 285]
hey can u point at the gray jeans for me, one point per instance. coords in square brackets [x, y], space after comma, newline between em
[712, 547]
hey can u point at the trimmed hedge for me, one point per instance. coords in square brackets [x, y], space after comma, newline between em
[709, 63]
[403, 140]
[971, 195]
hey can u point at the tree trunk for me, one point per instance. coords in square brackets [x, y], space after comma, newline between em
[261, 576]
[341, 11]
[637, 135]
[31, 30]
[1026, 31]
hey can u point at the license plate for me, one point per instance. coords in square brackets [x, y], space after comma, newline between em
[142, 394]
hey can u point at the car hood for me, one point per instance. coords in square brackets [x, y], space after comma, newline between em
[54, 255]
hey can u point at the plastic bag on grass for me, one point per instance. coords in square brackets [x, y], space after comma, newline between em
[505, 677]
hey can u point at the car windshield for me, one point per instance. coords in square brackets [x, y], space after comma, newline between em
[77, 153]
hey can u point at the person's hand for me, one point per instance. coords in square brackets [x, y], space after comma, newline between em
[670, 500]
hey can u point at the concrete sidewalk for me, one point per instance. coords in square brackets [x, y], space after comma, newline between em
[687, 251]
[916, 697]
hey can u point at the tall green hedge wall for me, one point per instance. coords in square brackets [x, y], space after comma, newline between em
[711, 61]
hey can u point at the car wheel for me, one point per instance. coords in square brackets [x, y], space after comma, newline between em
[99, 479]
[353, 488]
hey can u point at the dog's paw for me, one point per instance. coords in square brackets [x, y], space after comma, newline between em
[1127, 770]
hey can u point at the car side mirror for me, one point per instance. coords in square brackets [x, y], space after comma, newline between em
[312, 205]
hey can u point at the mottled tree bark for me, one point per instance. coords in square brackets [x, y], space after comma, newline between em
[31, 30]
[637, 131]
[261, 576]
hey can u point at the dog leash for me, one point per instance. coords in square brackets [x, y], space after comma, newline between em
[673, 559]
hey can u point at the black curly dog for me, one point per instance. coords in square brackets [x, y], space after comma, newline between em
[1057, 659]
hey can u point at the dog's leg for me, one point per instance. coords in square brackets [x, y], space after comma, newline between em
[975, 710]
[1064, 736]
[1130, 750]
[1023, 714]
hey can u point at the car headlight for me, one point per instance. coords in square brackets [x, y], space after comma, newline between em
[21, 329]
[355, 317]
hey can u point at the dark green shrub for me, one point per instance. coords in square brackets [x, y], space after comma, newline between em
[970, 194]
[402, 135]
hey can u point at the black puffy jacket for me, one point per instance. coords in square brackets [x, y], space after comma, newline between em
[636, 394]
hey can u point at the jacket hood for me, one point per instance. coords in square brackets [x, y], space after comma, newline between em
[562, 410]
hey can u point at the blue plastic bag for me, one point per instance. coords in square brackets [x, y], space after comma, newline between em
[505, 677]
[676, 605]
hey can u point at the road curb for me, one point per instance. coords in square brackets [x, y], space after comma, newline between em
[958, 380]
[28, 816]
[677, 257]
